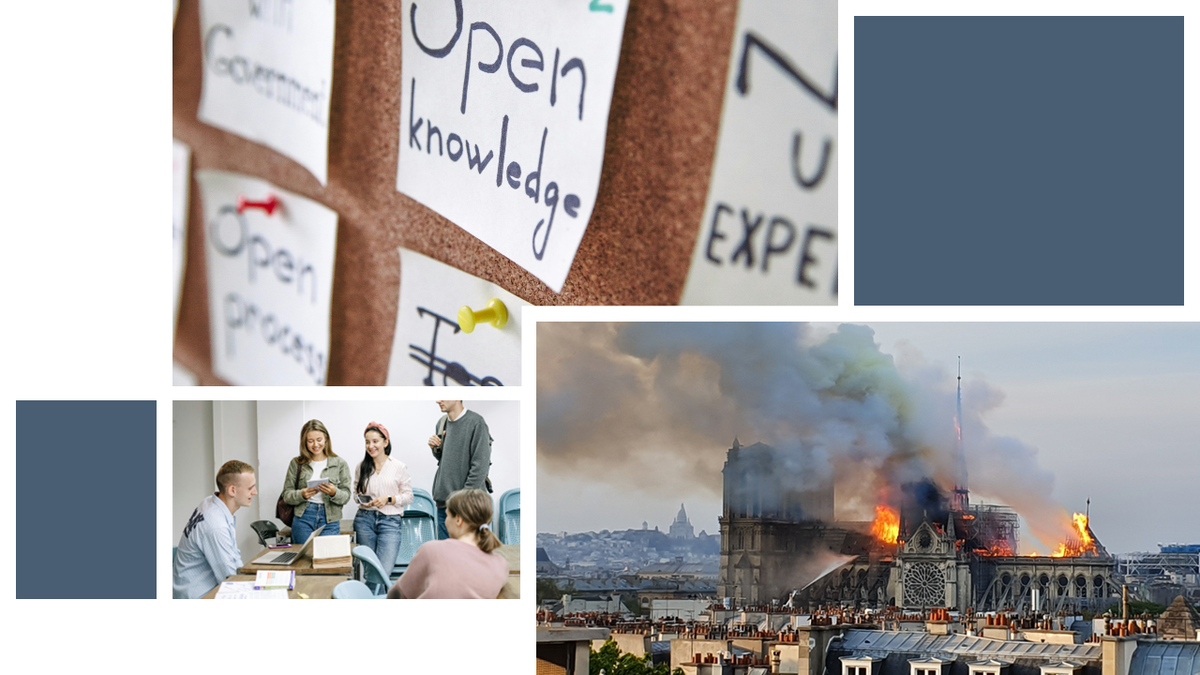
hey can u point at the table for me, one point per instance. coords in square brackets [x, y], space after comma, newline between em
[335, 575]
[511, 553]
[302, 565]
[315, 586]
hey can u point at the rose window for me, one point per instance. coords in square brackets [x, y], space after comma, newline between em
[924, 586]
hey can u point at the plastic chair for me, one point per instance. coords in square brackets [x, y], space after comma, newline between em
[265, 529]
[422, 504]
[415, 529]
[354, 590]
[418, 526]
[508, 517]
[374, 576]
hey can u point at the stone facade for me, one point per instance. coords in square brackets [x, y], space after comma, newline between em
[780, 543]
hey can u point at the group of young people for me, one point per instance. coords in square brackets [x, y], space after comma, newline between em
[461, 563]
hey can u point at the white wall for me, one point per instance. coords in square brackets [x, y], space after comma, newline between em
[206, 434]
[192, 474]
[235, 436]
[409, 423]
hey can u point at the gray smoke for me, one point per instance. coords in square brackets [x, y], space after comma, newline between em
[655, 406]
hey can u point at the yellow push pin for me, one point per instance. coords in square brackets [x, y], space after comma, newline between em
[495, 313]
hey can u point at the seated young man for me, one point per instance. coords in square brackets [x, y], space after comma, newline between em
[208, 551]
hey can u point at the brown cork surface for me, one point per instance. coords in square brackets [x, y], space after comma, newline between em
[662, 133]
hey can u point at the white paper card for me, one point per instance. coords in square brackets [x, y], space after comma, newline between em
[181, 179]
[269, 282]
[504, 109]
[268, 71]
[769, 232]
[429, 347]
[182, 377]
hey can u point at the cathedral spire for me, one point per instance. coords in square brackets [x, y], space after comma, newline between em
[961, 500]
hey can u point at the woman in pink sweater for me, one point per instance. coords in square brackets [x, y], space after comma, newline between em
[463, 566]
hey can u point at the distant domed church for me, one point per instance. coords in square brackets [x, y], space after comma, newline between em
[682, 527]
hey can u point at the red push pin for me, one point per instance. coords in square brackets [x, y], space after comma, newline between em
[269, 204]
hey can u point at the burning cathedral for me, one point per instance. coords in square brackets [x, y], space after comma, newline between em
[780, 543]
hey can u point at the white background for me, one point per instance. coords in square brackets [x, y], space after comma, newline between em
[85, 190]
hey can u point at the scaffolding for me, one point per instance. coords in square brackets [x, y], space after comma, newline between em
[996, 526]
[1176, 563]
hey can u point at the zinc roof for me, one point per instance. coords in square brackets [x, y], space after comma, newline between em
[881, 643]
[1166, 658]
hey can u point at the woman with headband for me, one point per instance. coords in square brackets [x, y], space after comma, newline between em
[464, 566]
[384, 488]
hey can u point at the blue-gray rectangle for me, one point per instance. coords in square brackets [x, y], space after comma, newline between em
[1018, 160]
[86, 499]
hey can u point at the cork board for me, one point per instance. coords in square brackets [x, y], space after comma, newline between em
[662, 133]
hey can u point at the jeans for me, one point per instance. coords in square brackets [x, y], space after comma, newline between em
[313, 518]
[380, 533]
[441, 523]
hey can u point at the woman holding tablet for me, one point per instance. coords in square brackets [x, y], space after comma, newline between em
[322, 503]
[383, 488]
[463, 566]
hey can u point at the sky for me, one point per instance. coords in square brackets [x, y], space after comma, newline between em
[636, 419]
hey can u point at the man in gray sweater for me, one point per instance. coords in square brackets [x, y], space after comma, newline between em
[463, 449]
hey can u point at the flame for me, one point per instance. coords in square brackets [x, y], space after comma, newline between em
[997, 549]
[886, 527]
[1079, 542]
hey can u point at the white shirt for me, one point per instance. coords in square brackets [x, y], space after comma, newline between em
[208, 551]
[392, 481]
[318, 469]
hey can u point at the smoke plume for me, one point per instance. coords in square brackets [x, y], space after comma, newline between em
[654, 406]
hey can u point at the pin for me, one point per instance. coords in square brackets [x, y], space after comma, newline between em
[495, 313]
[269, 205]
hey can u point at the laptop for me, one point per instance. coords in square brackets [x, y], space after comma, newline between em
[288, 557]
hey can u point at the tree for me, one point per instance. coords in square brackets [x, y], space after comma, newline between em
[1136, 608]
[547, 590]
[631, 603]
[613, 662]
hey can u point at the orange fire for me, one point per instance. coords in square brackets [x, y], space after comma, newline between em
[1079, 543]
[997, 549]
[886, 527]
